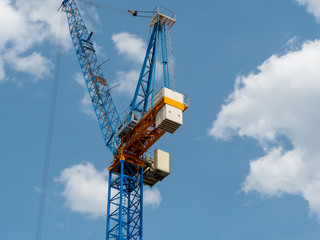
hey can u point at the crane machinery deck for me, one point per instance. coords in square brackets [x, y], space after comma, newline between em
[153, 112]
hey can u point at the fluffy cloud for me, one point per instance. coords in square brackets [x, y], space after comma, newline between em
[130, 46]
[86, 190]
[313, 7]
[133, 49]
[152, 197]
[27, 24]
[281, 171]
[279, 104]
[34, 64]
[128, 80]
[85, 103]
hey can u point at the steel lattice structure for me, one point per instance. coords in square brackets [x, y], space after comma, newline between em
[102, 102]
[146, 83]
[128, 141]
[125, 202]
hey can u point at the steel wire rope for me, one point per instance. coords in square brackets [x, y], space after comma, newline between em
[46, 164]
[138, 234]
[114, 9]
[110, 78]
[105, 7]
[113, 82]
[85, 22]
[158, 65]
[171, 65]
[115, 89]
[119, 10]
[98, 52]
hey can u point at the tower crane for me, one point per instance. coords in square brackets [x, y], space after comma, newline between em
[153, 112]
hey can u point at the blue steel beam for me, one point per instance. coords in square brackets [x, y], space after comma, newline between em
[146, 83]
[125, 208]
[99, 92]
[164, 56]
[145, 79]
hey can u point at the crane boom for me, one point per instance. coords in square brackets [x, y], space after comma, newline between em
[98, 88]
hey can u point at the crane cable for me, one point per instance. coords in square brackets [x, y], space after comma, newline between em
[119, 10]
[49, 134]
[105, 7]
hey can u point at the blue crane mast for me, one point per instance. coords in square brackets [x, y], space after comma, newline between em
[145, 123]
[145, 87]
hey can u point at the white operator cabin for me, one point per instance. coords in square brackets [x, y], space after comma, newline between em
[169, 118]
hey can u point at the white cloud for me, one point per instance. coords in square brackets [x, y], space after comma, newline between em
[91, 13]
[277, 104]
[152, 197]
[86, 190]
[133, 49]
[130, 45]
[27, 24]
[2, 71]
[293, 44]
[281, 171]
[313, 7]
[85, 103]
[128, 81]
[34, 64]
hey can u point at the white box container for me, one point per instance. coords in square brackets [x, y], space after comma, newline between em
[166, 92]
[169, 118]
[162, 162]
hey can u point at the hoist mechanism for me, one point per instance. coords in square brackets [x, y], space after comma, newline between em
[152, 112]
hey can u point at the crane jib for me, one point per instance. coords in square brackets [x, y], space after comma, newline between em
[102, 101]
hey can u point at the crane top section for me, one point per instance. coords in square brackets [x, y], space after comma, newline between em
[158, 15]
[163, 15]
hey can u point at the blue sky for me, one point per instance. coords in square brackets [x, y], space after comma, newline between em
[245, 164]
